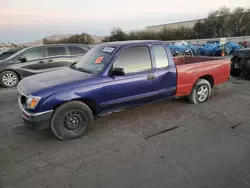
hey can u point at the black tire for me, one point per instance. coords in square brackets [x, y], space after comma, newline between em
[246, 75]
[246, 69]
[64, 117]
[233, 71]
[200, 85]
[9, 74]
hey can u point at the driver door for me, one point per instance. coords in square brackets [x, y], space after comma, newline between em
[138, 84]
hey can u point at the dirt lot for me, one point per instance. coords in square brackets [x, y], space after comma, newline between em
[207, 147]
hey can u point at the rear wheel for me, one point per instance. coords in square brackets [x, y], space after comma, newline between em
[9, 79]
[71, 120]
[200, 92]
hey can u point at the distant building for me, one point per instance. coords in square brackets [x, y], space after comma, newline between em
[176, 25]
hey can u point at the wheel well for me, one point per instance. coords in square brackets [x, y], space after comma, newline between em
[209, 78]
[90, 103]
[12, 71]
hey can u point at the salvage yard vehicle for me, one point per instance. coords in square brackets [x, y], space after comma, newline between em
[241, 63]
[38, 59]
[112, 77]
[7, 53]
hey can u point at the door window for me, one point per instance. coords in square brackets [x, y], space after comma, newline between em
[5, 55]
[56, 51]
[74, 50]
[134, 59]
[33, 54]
[161, 58]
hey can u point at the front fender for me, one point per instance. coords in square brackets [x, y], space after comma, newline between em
[93, 93]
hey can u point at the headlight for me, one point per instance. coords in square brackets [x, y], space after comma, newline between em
[32, 102]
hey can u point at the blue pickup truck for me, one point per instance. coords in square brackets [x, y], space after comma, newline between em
[112, 77]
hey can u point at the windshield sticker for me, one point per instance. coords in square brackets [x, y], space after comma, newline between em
[98, 60]
[108, 49]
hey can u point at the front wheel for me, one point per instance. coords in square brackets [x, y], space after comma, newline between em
[200, 92]
[71, 120]
[8, 79]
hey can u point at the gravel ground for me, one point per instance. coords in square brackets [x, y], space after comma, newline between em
[166, 144]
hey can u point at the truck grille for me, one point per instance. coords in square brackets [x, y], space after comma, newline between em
[22, 99]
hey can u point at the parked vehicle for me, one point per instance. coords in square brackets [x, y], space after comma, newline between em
[241, 63]
[38, 59]
[112, 77]
[7, 53]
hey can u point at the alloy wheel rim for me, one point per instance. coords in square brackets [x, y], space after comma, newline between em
[202, 93]
[9, 79]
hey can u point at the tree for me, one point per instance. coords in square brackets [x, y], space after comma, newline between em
[224, 23]
[117, 34]
[83, 38]
[200, 30]
[217, 21]
[164, 33]
[147, 35]
[239, 22]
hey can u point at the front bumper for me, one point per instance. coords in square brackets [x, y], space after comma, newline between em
[39, 120]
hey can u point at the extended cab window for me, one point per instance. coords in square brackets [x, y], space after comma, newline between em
[161, 58]
[134, 59]
[55, 51]
[33, 54]
[74, 50]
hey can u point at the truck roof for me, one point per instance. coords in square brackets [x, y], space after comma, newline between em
[130, 42]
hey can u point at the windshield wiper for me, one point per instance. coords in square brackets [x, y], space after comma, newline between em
[83, 70]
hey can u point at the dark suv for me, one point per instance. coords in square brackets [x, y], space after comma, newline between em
[37, 59]
[7, 53]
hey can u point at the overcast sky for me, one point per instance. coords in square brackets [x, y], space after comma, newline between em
[28, 20]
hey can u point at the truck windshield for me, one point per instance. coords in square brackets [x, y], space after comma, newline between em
[95, 59]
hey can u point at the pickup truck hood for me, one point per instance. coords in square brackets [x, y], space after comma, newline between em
[47, 80]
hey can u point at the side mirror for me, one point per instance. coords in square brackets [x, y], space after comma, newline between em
[117, 72]
[22, 59]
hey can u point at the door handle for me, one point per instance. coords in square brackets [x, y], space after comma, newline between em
[49, 61]
[41, 62]
[151, 77]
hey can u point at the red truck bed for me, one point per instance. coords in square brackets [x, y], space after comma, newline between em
[190, 69]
